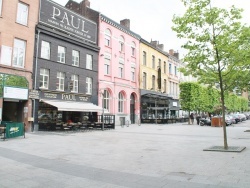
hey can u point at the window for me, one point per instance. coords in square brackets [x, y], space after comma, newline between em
[107, 37]
[132, 73]
[74, 79]
[89, 62]
[1, 2]
[75, 58]
[120, 70]
[61, 54]
[175, 70]
[153, 82]
[121, 44]
[22, 13]
[165, 86]
[144, 58]
[106, 99]
[170, 68]
[60, 81]
[107, 64]
[133, 49]
[19, 53]
[165, 67]
[120, 102]
[89, 82]
[159, 63]
[45, 50]
[44, 78]
[144, 80]
[153, 62]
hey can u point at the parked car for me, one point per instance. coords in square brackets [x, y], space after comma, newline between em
[242, 117]
[237, 118]
[228, 120]
[247, 115]
[232, 119]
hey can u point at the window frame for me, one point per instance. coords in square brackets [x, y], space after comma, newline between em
[144, 58]
[17, 51]
[44, 73]
[89, 85]
[133, 74]
[107, 60]
[21, 17]
[89, 62]
[60, 81]
[153, 82]
[144, 80]
[106, 101]
[120, 102]
[75, 58]
[61, 55]
[75, 80]
[133, 49]
[121, 44]
[45, 50]
[153, 61]
[107, 38]
[1, 6]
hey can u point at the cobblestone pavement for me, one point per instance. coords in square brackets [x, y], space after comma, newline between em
[146, 156]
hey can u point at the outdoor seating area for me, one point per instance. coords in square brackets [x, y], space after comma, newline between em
[85, 125]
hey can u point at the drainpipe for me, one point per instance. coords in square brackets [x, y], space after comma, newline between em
[35, 125]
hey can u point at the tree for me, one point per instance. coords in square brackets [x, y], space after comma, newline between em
[217, 45]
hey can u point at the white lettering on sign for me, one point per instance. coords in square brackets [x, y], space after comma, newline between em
[50, 95]
[68, 20]
[68, 97]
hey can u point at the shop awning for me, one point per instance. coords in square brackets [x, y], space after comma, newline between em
[75, 106]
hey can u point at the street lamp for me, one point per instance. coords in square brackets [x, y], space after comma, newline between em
[102, 93]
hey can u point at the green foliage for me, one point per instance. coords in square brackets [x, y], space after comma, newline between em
[17, 81]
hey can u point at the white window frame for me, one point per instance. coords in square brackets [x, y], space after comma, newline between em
[61, 54]
[107, 37]
[133, 73]
[45, 50]
[133, 49]
[75, 80]
[75, 58]
[153, 61]
[19, 53]
[175, 70]
[170, 68]
[22, 13]
[1, 2]
[89, 62]
[121, 70]
[120, 102]
[144, 58]
[60, 81]
[106, 99]
[144, 80]
[89, 85]
[121, 44]
[44, 78]
[107, 64]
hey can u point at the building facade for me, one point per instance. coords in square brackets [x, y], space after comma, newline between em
[17, 39]
[118, 85]
[65, 67]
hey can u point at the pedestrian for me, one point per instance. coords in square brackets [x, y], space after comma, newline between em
[198, 118]
[192, 118]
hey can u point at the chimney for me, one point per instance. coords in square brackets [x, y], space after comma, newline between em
[126, 23]
[176, 54]
[171, 52]
[161, 46]
[86, 3]
[154, 43]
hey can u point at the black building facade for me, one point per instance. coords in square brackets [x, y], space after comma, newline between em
[65, 68]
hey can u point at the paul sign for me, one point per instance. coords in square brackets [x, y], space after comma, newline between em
[59, 17]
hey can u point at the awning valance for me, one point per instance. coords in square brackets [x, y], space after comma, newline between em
[75, 106]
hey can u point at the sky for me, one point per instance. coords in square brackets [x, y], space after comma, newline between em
[152, 20]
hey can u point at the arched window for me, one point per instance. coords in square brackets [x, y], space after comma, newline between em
[107, 37]
[106, 100]
[120, 102]
[121, 44]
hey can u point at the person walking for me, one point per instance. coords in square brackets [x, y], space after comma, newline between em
[192, 118]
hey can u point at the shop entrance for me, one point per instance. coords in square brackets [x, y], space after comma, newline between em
[132, 109]
[12, 111]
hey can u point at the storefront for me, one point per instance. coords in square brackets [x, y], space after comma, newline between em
[64, 108]
[13, 98]
[158, 107]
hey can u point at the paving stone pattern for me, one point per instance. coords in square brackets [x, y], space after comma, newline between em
[146, 156]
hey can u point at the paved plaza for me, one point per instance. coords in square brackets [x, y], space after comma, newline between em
[146, 156]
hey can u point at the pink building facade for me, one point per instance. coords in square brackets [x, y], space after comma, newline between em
[119, 70]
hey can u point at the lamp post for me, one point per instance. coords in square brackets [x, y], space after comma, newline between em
[102, 94]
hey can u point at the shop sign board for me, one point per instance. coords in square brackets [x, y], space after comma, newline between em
[61, 18]
[33, 94]
[64, 96]
[15, 93]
